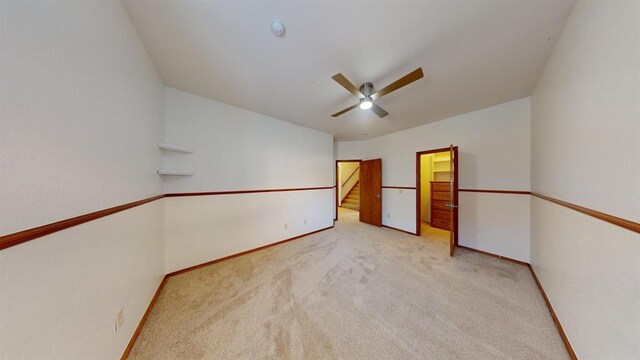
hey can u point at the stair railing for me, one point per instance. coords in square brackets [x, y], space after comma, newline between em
[350, 176]
[345, 193]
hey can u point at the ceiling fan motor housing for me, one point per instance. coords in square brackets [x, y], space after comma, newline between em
[366, 89]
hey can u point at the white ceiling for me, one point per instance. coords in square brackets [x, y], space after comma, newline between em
[474, 54]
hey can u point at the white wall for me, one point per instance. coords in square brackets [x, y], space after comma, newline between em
[236, 149]
[497, 223]
[349, 150]
[199, 229]
[60, 294]
[590, 272]
[585, 146]
[586, 113]
[494, 154]
[81, 112]
[80, 115]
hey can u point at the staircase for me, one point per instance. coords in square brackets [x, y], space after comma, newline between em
[352, 200]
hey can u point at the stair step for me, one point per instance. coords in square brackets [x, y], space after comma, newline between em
[350, 201]
[351, 206]
[351, 197]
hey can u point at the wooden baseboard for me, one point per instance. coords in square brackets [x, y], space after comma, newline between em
[495, 256]
[190, 268]
[514, 192]
[134, 337]
[396, 229]
[563, 335]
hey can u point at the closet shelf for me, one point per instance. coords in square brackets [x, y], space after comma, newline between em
[175, 148]
[441, 171]
[174, 173]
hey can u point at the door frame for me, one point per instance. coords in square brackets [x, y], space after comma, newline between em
[455, 189]
[337, 183]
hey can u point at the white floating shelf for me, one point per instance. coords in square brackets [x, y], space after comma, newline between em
[174, 173]
[175, 148]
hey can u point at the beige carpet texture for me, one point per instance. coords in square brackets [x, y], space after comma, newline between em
[352, 292]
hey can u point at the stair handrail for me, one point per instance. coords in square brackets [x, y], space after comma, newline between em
[350, 176]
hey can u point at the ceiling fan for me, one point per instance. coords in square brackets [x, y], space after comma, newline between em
[367, 95]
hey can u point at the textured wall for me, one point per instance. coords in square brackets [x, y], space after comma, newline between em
[80, 115]
[585, 150]
[81, 112]
[236, 149]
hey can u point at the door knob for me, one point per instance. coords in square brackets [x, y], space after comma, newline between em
[451, 206]
[378, 196]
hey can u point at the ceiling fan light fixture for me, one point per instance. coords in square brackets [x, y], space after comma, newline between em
[366, 103]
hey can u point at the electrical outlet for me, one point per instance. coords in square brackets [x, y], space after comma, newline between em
[119, 319]
[286, 226]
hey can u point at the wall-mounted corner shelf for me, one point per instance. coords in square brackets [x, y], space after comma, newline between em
[175, 148]
[174, 173]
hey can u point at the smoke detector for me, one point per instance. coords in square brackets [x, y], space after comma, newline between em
[277, 27]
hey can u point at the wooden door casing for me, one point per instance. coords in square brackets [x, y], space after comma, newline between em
[455, 189]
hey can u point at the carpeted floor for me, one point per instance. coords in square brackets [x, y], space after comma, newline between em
[434, 234]
[352, 292]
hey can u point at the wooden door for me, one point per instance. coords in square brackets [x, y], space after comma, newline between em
[371, 192]
[452, 202]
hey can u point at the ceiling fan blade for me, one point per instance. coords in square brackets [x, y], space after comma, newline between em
[345, 110]
[416, 74]
[379, 111]
[340, 79]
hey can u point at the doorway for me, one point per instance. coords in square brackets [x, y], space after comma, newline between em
[347, 186]
[437, 195]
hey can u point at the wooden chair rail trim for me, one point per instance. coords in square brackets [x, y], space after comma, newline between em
[627, 224]
[9, 240]
[234, 192]
[20, 237]
[144, 317]
[519, 192]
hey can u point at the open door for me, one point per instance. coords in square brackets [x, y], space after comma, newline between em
[453, 206]
[371, 192]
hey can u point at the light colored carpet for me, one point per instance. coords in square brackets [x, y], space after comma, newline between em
[434, 234]
[352, 292]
